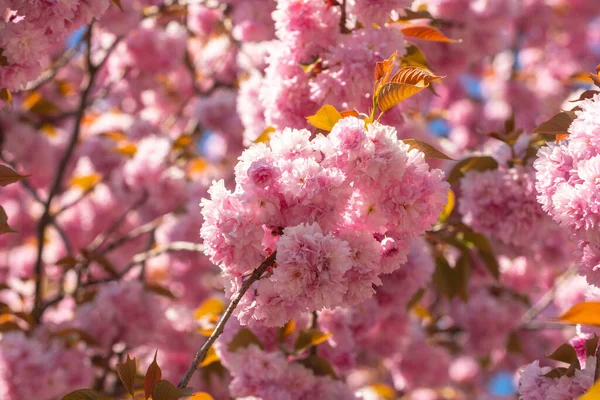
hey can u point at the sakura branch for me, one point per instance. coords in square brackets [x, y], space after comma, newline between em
[235, 300]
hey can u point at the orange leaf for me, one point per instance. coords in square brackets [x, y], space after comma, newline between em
[6, 95]
[265, 135]
[349, 113]
[587, 313]
[210, 357]
[415, 76]
[393, 93]
[427, 33]
[325, 118]
[383, 69]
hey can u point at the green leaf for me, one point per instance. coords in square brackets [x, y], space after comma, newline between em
[4, 227]
[318, 365]
[244, 338]
[153, 375]
[165, 390]
[325, 118]
[567, 354]
[427, 149]
[83, 394]
[127, 372]
[482, 163]
[8, 176]
[309, 338]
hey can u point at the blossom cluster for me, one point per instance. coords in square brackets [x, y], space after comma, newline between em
[338, 210]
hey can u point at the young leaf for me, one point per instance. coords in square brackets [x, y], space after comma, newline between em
[415, 76]
[591, 345]
[383, 391]
[286, 330]
[349, 113]
[153, 375]
[325, 118]
[449, 207]
[118, 4]
[318, 365]
[427, 149]
[593, 393]
[127, 372]
[165, 390]
[483, 163]
[393, 93]
[8, 176]
[4, 227]
[558, 124]
[426, 33]
[209, 307]
[265, 136]
[159, 290]
[101, 260]
[414, 57]
[6, 95]
[201, 396]
[85, 182]
[244, 338]
[83, 394]
[484, 250]
[588, 94]
[383, 69]
[310, 337]
[567, 354]
[587, 313]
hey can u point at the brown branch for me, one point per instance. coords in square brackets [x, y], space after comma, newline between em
[46, 217]
[255, 276]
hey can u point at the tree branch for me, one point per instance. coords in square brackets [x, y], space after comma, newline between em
[255, 276]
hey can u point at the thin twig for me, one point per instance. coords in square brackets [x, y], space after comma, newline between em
[255, 276]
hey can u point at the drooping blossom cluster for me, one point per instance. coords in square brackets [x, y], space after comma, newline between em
[567, 183]
[534, 385]
[339, 210]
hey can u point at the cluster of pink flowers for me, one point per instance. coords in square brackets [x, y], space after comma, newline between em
[30, 31]
[568, 174]
[41, 367]
[329, 207]
[534, 385]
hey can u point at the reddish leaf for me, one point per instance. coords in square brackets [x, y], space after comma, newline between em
[4, 227]
[127, 372]
[427, 149]
[427, 33]
[558, 124]
[8, 175]
[153, 375]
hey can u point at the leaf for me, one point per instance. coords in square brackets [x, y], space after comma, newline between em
[118, 4]
[318, 365]
[449, 207]
[4, 227]
[426, 33]
[3, 59]
[74, 335]
[265, 136]
[127, 372]
[35, 103]
[153, 375]
[67, 262]
[462, 271]
[482, 163]
[414, 57]
[415, 76]
[414, 300]
[484, 250]
[558, 124]
[427, 149]
[8, 176]
[211, 357]
[593, 393]
[383, 391]
[513, 344]
[325, 118]
[587, 313]
[393, 93]
[201, 396]
[126, 148]
[349, 113]
[244, 338]
[210, 307]
[444, 278]
[165, 390]
[383, 69]
[85, 182]
[556, 372]
[591, 345]
[588, 94]
[419, 14]
[286, 331]
[101, 260]
[83, 394]
[159, 290]
[567, 354]
[309, 338]
[6, 95]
